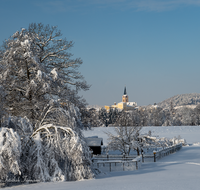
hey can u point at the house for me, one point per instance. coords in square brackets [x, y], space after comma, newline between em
[95, 144]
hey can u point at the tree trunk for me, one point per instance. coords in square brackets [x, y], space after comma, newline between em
[138, 151]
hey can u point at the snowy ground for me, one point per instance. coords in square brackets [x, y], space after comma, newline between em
[178, 171]
[190, 133]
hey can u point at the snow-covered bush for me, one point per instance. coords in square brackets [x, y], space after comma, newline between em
[62, 134]
[177, 140]
[53, 152]
[10, 150]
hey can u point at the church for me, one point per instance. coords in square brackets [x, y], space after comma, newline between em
[124, 105]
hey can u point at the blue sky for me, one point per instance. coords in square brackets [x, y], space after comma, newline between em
[151, 46]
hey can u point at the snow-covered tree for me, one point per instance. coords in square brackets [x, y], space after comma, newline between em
[55, 151]
[36, 67]
[52, 51]
[125, 139]
[143, 117]
[36, 75]
[10, 150]
[21, 77]
[125, 118]
[127, 135]
[103, 116]
[108, 117]
[197, 113]
[113, 115]
[2, 104]
[90, 118]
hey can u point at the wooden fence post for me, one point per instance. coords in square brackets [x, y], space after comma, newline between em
[154, 152]
[142, 157]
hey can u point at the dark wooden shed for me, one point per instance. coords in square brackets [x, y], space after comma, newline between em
[95, 144]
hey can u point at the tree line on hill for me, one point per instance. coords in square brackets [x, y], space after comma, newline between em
[181, 100]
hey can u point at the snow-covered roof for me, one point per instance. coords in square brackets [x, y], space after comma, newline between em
[94, 141]
[147, 136]
[131, 104]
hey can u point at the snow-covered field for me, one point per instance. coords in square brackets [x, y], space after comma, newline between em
[180, 171]
[190, 133]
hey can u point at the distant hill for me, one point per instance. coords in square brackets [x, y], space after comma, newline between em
[181, 100]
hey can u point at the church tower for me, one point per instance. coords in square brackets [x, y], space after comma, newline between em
[125, 96]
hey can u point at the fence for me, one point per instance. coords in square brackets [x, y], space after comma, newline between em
[108, 163]
[166, 151]
[119, 165]
[161, 153]
[113, 157]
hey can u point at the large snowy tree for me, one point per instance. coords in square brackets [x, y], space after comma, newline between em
[39, 82]
[35, 66]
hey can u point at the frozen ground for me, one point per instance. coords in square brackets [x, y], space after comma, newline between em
[178, 171]
[190, 133]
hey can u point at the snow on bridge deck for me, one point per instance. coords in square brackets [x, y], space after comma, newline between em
[180, 171]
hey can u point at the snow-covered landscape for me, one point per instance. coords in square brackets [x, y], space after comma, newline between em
[44, 121]
[177, 171]
[190, 133]
[99, 95]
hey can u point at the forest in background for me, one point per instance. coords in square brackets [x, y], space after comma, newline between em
[178, 110]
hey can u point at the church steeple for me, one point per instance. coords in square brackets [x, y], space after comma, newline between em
[125, 96]
[125, 90]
